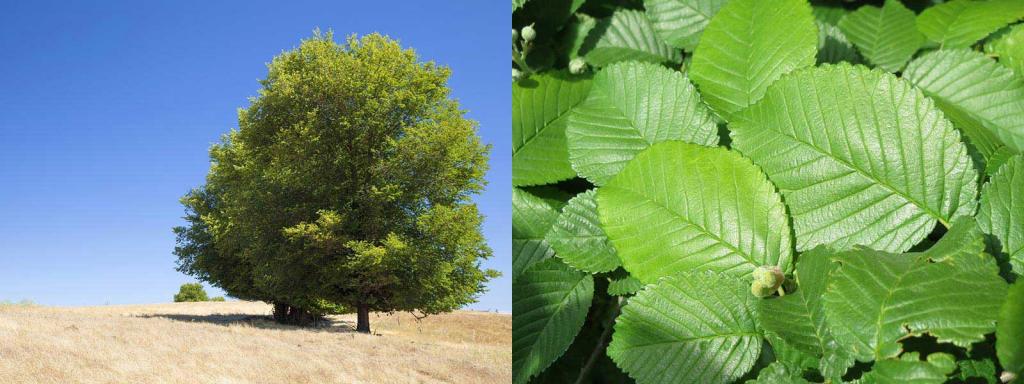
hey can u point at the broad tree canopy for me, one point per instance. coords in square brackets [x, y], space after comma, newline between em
[346, 187]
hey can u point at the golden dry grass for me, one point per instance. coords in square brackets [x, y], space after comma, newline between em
[230, 342]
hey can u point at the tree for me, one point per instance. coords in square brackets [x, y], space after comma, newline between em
[345, 188]
[191, 292]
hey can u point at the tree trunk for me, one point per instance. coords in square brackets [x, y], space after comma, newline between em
[281, 312]
[363, 318]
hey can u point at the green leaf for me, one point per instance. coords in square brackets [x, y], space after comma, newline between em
[680, 22]
[779, 373]
[886, 36]
[627, 35]
[624, 284]
[834, 47]
[631, 106]
[578, 239]
[575, 35]
[748, 45]
[550, 302]
[909, 369]
[964, 244]
[983, 99]
[961, 23]
[827, 14]
[861, 158]
[874, 299]
[982, 369]
[1009, 48]
[689, 328]
[1010, 331]
[681, 207]
[1001, 213]
[799, 317]
[787, 354]
[516, 4]
[532, 217]
[540, 110]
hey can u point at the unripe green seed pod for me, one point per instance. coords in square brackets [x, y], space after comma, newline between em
[577, 66]
[528, 33]
[760, 290]
[515, 35]
[767, 280]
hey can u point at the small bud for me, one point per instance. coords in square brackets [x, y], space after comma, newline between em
[1007, 376]
[515, 35]
[577, 66]
[516, 74]
[528, 33]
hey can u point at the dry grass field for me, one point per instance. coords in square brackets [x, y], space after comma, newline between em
[234, 342]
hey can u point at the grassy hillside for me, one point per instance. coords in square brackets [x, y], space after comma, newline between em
[233, 342]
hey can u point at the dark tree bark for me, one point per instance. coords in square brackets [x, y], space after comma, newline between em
[281, 312]
[287, 314]
[363, 318]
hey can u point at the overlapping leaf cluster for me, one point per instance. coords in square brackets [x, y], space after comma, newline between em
[768, 191]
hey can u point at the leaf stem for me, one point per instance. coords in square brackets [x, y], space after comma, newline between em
[601, 341]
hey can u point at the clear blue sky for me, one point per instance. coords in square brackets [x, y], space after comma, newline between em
[107, 110]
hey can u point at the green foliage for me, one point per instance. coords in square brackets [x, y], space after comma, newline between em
[631, 106]
[540, 110]
[191, 292]
[861, 158]
[748, 45]
[346, 186]
[660, 234]
[961, 23]
[552, 301]
[886, 36]
[1002, 211]
[775, 191]
[218, 298]
[1010, 331]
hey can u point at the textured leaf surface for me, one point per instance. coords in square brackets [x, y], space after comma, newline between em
[578, 239]
[833, 46]
[1009, 48]
[779, 373]
[1010, 332]
[748, 45]
[550, 302]
[861, 158]
[876, 298]
[983, 369]
[909, 369]
[680, 207]
[627, 35]
[886, 36]
[631, 106]
[690, 328]
[799, 317]
[961, 23]
[1001, 212]
[680, 22]
[982, 98]
[623, 284]
[532, 217]
[540, 110]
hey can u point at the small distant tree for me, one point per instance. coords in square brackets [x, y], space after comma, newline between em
[346, 188]
[218, 298]
[191, 292]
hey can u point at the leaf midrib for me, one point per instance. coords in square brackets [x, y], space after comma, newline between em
[749, 258]
[868, 176]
